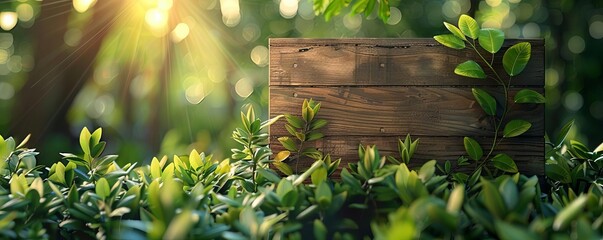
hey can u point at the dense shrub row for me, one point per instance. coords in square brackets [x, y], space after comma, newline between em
[88, 195]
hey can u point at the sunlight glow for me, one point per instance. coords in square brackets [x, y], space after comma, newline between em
[165, 4]
[180, 32]
[288, 8]
[82, 6]
[157, 20]
[195, 93]
[244, 87]
[231, 13]
[25, 12]
[8, 20]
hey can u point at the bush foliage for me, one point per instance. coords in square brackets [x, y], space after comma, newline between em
[89, 195]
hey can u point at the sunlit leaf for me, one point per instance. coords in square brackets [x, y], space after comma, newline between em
[599, 148]
[485, 100]
[529, 96]
[455, 201]
[470, 69]
[450, 41]
[505, 163]
[569, 213]
[491, 39]
[455, 31]
[469, 26]
[194, 159]
[564, 132]
[516, 58]
[282, 155]
[85, 140]
[102, 188]
[516, 127]
[283, 167]
[473, 149]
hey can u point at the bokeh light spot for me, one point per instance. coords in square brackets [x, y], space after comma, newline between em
[180, 32]
[4, 56]
[82, 6]
[552, 77]
[288, 8]
[493, 3]
[195, 93]
[231, 13]
[596, 110]
[531, 30]
[244, 87]
[573, 101]
[251, 32]
[6, 40]
[7, 91]
[72, 37]
[395, 16]
[259, 55]
[451, 9]
[596, 29]
[8, 20]
[352, 22]
[25, 12]
[576, 44]
[165, 4]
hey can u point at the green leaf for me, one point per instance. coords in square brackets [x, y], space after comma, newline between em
[314, 136]
[281, 156]
[485, 100]
[323, 194]
[529, 96]
[18, 184]
[155, 168]
[516, 127]
[102, 188]
[558, 173]
[516, 58]
[469, 26]
[507, 231]
[319, 176]
[320, 231]
[427, 170]
[455, 31]
[470, 69]
[85, 140]
[283, 167]
[450, 41]
[599, 148]
[491, 39]
[505, 163]
[318, 123]
[492, 199]
[508, 191]
[455, 201]
[288, 143]
[269, 174]
[294, 121]
[194, 159]
[95, 137]
[359, 6]
[564, 132]
[473, 149]
[569, 213]
[384, 10]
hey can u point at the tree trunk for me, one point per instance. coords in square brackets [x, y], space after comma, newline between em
[60, 71]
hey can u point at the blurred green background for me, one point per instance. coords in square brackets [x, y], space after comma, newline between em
[165, 76]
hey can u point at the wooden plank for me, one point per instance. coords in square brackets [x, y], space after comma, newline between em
[380, 62]
[391, 111]
[528, 153]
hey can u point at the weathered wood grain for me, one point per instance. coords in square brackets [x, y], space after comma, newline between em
[390, 111]
[360, 62]
[376, 90]
[528, 153]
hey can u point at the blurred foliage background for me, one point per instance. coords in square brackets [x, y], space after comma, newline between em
[165, 76]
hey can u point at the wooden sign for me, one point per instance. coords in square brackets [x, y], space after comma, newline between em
[375, 91]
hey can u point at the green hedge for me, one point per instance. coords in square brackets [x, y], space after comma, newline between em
[88, 195]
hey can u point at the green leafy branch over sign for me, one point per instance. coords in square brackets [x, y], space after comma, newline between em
[469, 34]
